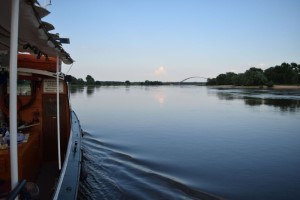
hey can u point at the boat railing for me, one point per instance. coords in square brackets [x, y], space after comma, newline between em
[17, 190]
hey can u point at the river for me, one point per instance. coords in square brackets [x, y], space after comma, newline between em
[189, 142]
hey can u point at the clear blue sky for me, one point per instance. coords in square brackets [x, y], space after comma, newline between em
[169, 40]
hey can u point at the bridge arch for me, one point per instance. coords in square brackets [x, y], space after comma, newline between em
[192, 77]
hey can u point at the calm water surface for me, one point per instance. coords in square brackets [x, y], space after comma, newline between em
[174, 142]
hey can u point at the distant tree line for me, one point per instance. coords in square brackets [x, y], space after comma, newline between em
[147, 82]
[89, 80]
[285, 73]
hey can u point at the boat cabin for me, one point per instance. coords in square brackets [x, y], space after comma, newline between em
[37, 123]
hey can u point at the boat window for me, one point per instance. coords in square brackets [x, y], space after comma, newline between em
[23, 88]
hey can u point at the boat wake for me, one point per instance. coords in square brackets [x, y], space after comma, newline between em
[113, 174]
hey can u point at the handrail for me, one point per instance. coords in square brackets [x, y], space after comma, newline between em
[17, 190]
[64, 167]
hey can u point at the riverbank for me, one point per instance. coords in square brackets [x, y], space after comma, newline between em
[275, 87]
[287, 87]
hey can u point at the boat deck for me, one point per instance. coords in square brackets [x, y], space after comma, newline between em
[47, 179]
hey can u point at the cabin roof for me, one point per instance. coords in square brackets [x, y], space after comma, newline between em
[34, 35]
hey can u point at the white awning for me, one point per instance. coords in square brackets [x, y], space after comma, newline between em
[34, 36]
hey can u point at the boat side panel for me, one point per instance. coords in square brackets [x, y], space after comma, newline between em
[69, 181]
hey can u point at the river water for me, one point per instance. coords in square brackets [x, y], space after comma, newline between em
[189, 142]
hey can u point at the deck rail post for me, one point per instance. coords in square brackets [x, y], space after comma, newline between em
[13, 91]
[58, 111]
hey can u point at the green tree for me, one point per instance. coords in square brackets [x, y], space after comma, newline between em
[74, 80]
[296, 69]
[230, 78]
[280, 74]
[239, 79]
[283, 74]
[98, 83]
[80, 81]
[254, 76]
[211, 81]
[90, 80]
[221, 79]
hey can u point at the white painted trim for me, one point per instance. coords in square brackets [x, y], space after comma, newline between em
[36, 71]
[58, 113]
[15, 4]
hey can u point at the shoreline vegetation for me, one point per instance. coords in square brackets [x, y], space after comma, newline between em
[90, 81]
[284, 76]
[274, 87]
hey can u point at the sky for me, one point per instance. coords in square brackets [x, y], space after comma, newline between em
[170, 40]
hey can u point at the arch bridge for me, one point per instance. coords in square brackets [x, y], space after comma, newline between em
[192, 78]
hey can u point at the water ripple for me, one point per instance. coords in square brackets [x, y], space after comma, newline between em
[113, 174]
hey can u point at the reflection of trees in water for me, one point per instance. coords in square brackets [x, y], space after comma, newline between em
[76, 89]
[226, 96]
[253, 101]
[90, 90]
[285, 105]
